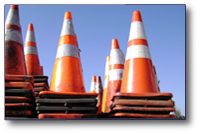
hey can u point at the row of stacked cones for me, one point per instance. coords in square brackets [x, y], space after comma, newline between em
[28, 93]
[131, 87]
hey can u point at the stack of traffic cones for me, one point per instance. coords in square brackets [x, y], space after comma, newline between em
[32, 62]
[113, 77]
[67, 98]
[19, 91]
[99, 90]
[139, 96]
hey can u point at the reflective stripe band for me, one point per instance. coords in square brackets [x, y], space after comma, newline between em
[137, 31]
[30, 36]
[67, 28]
[116, 56]
[13, 35]
[138, 51]
[115, 74]
[30, 50]
[107, 68]
[92, 87]
[13, 17]
[67, 50]
[97, 87]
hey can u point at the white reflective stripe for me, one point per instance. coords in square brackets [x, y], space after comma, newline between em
[97, 87]
[116, 56]
[30, 37]
[115, 74]
[137, 31]
[67, 28]
[30, 50]
[105, 83]
[67, 50]
[13, 35]
[107, 68]
[92, 87]
[138, 51]
[13, 17]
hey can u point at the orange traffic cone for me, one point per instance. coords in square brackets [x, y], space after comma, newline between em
[99, 90]
[14, 54]
[154, 68]
[67, 74]
[31, 53]
[115, 73]
[105, 83]
[93, 84]
[138, 70]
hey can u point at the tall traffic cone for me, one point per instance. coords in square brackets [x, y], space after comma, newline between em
[138, 70]
[93, 84]
[99, 90]
[105, 83]
[67, 74]
[31, 53]
[14, 54]
[115, 73]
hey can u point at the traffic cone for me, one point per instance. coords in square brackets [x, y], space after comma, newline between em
[67, 74]
[138, 70]
[31, 53]
[105, 83]
[115, 73]
[14, 54]
[154, 68]
[93, 84]
[99, 90]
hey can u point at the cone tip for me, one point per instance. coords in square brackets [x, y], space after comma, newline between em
[98, 79]
[16, 7]
[93, 78]
[108, 59]
[136, 16]
[68, 15]
[114, 44]
[30, 27]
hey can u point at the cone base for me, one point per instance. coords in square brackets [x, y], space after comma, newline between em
[52, 94]
[13, 99]
[19, 78]
[144, 116]
[147, 103]
[67, 116]
[147, 110]
[150, 96]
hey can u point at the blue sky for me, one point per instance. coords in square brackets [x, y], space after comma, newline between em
[97, 25]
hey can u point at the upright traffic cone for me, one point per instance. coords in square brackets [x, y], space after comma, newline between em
[115, 73]
[154, 68]
[99, 90]
[93, 84]
[138, 70]
[31, 53]
[67, 74]
[105, 83]
[14, 54]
